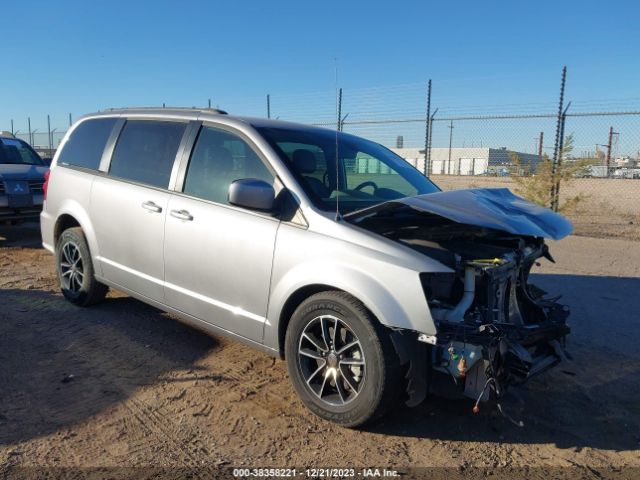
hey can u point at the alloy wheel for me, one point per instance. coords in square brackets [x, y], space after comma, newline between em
[71, 268]
[331, 360]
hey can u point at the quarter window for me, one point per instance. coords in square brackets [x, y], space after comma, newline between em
[85, 146]
[218, 159]
[146, 151]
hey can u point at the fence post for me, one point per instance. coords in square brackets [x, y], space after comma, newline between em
[561, 147]
[268, 106]
[427, 132]
[553, 194]
[30, 135]
[339, 109]
[429, 140]
[342, 122]
[49, 130]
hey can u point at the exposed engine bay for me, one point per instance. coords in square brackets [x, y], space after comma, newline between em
[494, 328]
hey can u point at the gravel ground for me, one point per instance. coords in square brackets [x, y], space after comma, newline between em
[124, 385]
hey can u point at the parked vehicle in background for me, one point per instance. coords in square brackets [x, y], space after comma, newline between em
[22, 177]
[630, 173]
[374, 287]
[597, 171]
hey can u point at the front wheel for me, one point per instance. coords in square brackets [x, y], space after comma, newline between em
[341, 360]
[75, 269]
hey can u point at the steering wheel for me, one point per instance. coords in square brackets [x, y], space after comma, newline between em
[368, 183]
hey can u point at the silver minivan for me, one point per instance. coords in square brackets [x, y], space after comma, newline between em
[316, 246]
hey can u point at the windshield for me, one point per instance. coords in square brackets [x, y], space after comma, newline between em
[18, 152]
[367, 173]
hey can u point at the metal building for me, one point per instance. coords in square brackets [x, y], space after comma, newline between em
[470, 160]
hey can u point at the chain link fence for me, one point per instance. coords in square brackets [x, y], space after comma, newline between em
[597, 166]
[595, 161]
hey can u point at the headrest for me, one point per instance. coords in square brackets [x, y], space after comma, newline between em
[304, 161]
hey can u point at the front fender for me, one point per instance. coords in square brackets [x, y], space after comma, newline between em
[393, 293]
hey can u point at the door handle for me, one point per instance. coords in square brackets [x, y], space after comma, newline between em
[152, 207]
[181, 214]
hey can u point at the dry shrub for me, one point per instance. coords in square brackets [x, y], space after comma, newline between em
[536, 185]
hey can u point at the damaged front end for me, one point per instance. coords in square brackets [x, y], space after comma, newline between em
[494, 328]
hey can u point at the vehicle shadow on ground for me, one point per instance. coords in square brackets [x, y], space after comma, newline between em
[61, 364]
[22, 235]
[590, 401]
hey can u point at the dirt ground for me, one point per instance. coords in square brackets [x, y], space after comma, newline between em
[124, 385]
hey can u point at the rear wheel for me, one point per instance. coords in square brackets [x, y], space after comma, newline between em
[75, 269]
[341, 360]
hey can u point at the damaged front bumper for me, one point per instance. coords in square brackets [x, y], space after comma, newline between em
[484, 361]
[494, 329]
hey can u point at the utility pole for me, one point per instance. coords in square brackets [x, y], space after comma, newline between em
[12, 132]
[70, 120]
[540, 142]
[609, 146]
[451, 127]
[268, 106]
[30, 134]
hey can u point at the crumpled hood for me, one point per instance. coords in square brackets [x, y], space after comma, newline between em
[10, 171]
[495, 208]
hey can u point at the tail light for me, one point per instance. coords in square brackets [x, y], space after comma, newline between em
[46, 183]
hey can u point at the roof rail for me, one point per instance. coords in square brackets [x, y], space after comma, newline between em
[186, 109]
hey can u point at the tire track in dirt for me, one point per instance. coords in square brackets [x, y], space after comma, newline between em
[148, 391]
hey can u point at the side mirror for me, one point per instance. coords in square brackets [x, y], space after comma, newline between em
[253, 194]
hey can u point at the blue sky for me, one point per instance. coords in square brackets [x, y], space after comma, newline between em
[80, 56]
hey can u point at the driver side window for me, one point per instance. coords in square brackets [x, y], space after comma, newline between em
[218, 159]
[365, 167]
[370, 175]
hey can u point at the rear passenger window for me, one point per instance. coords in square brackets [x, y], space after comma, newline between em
[146, 150]
[85, 145]
[219, 158]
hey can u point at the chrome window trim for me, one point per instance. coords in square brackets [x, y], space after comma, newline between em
[110, 146]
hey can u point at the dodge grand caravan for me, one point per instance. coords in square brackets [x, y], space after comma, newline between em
[316, 246]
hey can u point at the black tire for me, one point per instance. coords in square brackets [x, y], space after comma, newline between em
[354, 394]
[75, 269]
